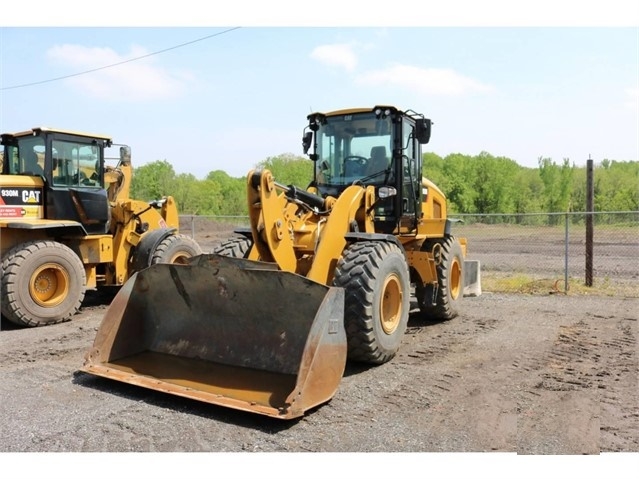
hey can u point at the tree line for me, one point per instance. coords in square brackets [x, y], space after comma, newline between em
[480, 184]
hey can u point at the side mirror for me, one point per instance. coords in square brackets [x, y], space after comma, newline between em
[306, 141]
[422, 130]
[125, 155]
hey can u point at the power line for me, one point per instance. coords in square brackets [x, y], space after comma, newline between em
[119, 63]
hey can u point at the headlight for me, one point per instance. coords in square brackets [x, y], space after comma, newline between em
[386, 191]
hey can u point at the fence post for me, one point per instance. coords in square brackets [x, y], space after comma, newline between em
[193, 226]
[566, 257]
[590, 195]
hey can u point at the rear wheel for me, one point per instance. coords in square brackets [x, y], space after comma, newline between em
[43, 283]
[176, 249]
[235, 247]
[376, 281]
[450, 281]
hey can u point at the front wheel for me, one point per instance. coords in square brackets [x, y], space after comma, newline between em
[375, 277]
[44, 283]
[176, 249]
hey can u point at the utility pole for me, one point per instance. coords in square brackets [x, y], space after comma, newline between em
[590, 201]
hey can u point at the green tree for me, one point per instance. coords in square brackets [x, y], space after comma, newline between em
[457, 183]
[578, 191]
[433, 168]
[473, 185]
[616, 186]
[231, 195]
[557, 182]
[188, 195]
[288, 169]
[493, 184]
[153, 180]
[527, 191]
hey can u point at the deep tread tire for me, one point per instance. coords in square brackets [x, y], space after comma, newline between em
[450, 280]
[376, 280]
[43, 283]
[176, 249]
[235, 247]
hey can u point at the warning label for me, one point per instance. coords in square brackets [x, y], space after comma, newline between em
[20, 211]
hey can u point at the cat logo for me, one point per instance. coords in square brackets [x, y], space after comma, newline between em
[31, 196]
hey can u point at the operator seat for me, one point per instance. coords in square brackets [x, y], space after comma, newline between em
[378, 161]
[31, 166]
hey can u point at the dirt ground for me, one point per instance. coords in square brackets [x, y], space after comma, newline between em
[534, 374]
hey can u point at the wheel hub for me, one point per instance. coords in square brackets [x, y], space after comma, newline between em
[49, 285]
[455, 279]
[180, 258]
[391, 304]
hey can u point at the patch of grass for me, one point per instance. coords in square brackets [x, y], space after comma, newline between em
[526, 284]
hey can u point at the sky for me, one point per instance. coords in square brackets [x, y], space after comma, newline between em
[223, 91]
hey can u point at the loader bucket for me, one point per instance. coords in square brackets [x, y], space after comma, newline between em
[226, 331]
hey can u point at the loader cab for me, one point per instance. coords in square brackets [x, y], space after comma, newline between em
[379, 147]
[71, 166]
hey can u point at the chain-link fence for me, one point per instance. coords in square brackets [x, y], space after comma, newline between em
[526, 253]
[549, 251]
[209, 231]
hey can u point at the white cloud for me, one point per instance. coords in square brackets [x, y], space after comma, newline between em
[338, 54]
[137, 80]
[429, 81]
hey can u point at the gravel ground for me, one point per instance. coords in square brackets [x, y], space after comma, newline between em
[532, 375]
[513, 375]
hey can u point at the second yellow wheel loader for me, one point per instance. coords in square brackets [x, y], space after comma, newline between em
[267, 321]
[67, 224]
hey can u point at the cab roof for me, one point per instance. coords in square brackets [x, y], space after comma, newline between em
[44, 129]
[351, 111]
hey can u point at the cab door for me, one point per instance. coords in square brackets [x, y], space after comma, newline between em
[411, 176]
[76, 190]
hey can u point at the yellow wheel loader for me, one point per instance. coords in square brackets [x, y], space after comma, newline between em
[267, 321]
[67, 224]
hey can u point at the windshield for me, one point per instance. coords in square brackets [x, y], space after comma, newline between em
[353, 147]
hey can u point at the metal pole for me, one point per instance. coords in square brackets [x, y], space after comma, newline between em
[590, 201]
[566, 258]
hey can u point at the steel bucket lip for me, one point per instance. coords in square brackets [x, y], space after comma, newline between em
[113, 372]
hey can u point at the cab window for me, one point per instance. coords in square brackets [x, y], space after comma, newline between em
[75, 164]
[27, 158]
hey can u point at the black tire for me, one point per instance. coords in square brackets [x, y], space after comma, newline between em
[235, 247]
[43, 283]
[375, 277]
[450, 280]
[176, 249]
